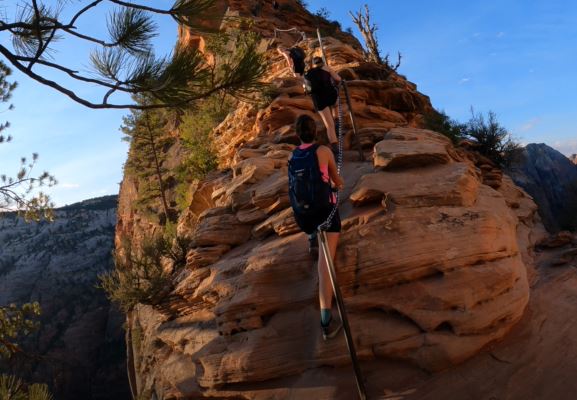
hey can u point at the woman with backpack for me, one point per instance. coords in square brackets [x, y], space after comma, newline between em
[312, 174]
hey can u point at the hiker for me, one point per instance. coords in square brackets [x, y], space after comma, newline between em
[321, 80]
[312, 173]
[295, 57]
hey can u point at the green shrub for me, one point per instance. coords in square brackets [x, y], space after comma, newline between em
[323, 14]
[440, 122]
[16, 322]
[139, 276]
[492, 140]
[12, 388]
[196, 134]
[149, 142]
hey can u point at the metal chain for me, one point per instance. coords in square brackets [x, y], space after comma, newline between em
[301, 39]
[329, 219]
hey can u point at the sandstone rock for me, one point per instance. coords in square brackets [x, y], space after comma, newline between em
[368, 137]
[433, 278]
[254, 169]
[363, 196]
[224, 229]
[203, 256]
[444, 185]
[251, 216]
[568, 256]
[404, 148]
[283, 223]
[269, 191]
[560, 239]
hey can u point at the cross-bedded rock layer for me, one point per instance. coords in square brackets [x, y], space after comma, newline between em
[433, 262]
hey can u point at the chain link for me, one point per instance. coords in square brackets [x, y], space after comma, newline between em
[329, 219]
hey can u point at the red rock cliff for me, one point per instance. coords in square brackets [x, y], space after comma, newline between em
[430, 275]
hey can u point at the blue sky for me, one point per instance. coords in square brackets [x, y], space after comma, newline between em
[516, 58]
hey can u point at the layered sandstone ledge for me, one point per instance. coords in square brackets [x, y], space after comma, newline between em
[433, 260]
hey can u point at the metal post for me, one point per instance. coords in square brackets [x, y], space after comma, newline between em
[321, 46]
[343, 314]
[352, 117]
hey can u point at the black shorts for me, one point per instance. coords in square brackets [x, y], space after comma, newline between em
[325, 99]
[310, 225]
[299, 67]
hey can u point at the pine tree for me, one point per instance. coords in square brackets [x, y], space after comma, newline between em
[125, 61]
[145, 129]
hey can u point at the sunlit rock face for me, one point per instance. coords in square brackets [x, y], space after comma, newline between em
[80, 343]
[434, 259]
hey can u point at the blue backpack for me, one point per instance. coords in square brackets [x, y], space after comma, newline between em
[309, 195]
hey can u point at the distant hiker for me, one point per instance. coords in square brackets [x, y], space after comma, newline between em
[295, 57]
[321, 80]
[312, 172]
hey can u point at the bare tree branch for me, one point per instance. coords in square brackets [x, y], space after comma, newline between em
[363, 23]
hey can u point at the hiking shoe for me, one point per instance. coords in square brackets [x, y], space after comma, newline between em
[313, 245]
[332, 329]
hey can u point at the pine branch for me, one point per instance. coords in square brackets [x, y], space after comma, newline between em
[125, 63]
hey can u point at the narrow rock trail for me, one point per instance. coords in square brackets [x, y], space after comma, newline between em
[536, 361]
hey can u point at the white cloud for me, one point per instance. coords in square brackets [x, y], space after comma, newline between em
[527, 126]
[464, 80]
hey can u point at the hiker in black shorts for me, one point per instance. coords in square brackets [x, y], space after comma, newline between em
[295, 57]
[322, 79]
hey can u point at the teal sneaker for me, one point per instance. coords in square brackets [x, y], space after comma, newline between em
[332, 329]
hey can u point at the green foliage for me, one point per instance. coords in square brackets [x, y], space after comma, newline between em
[15, 323]
[492, 140]
[124, 62]
[323, 13]
[238, 64]
[12, 388]
[440, 122]
[196, 133]
[21, 192]
[141, 276]
[146, 130]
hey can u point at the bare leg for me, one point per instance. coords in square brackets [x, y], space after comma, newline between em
[325, 286]
[329, 122]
